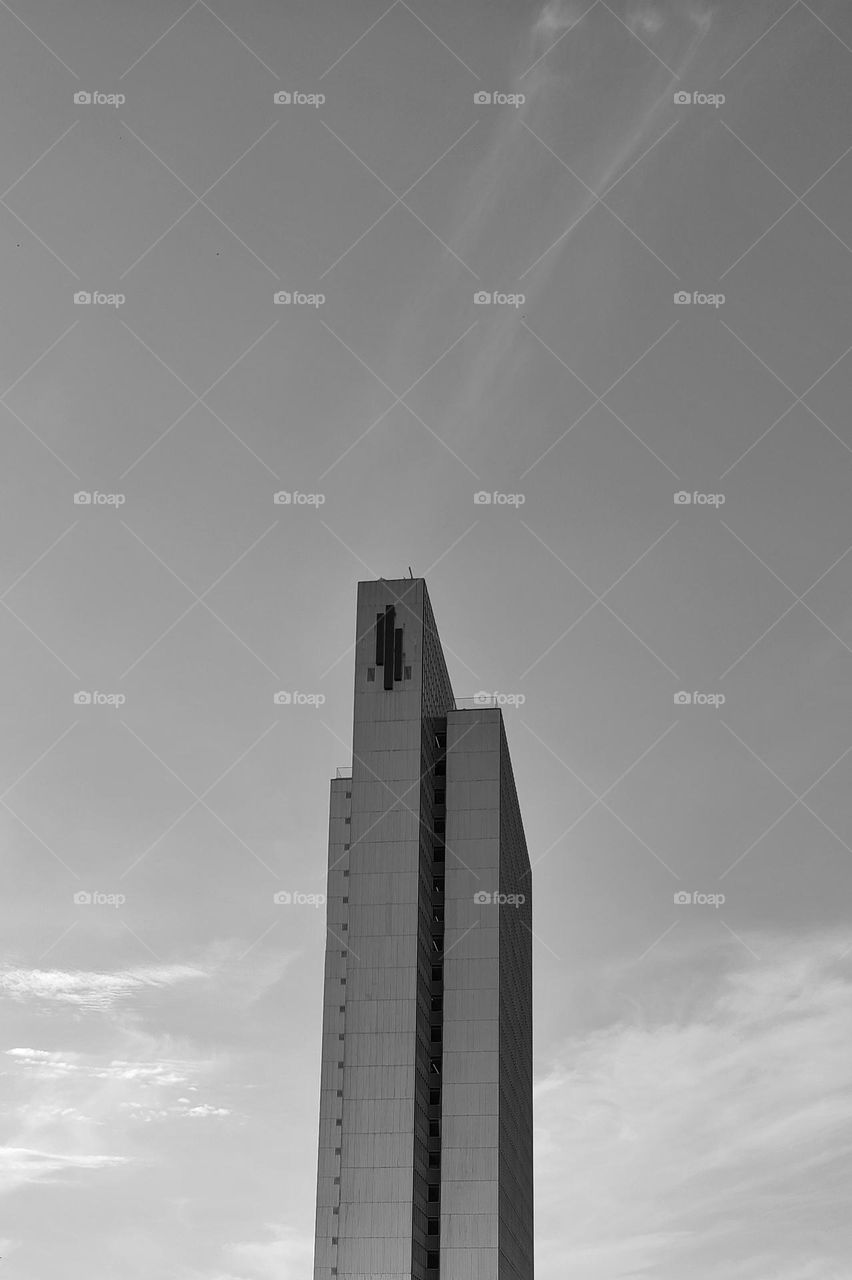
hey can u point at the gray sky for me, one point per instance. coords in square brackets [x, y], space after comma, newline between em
[694, 1110]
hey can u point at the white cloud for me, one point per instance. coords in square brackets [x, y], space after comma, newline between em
[287, 1256]
[91, 990]
[20, 1165]
[669, 1139]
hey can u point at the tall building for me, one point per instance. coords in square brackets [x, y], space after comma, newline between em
[425, 1142]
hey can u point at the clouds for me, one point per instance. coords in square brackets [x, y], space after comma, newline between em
[91, 990]
[670, 1138]
[20, 1165]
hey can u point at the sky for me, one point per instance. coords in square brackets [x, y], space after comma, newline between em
[632, 513]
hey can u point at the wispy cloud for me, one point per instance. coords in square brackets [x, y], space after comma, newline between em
[670, 1138]
[91, 990]
[21, 1165]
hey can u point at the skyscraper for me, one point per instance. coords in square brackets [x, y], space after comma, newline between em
[425, 1143]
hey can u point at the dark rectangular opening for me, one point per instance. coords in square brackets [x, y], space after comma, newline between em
[380, 639]
[390, 615]
[397, 654]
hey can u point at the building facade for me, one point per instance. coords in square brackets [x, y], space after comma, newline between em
[425, 1143]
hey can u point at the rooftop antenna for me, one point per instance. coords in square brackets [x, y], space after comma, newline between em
[410, 574]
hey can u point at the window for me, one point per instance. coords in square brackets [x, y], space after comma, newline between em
[432, 1260]
[346, 846]
[434, 1033]
[438, 885]
[408, 673]
[440, 796]
[440, 768]
[346, 873]
[438, 853]
[437, 973]
[432, 1194]
[345, 899]
[433, 1226]
[437, 1004]
[371, 673]
[348, 795]
[434, 1159]
[435, 1066]
[434, 1100]
[434, 1128]
[343, 1008]
[347, 821]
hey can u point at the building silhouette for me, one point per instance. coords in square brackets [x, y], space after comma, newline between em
[425, 1141]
